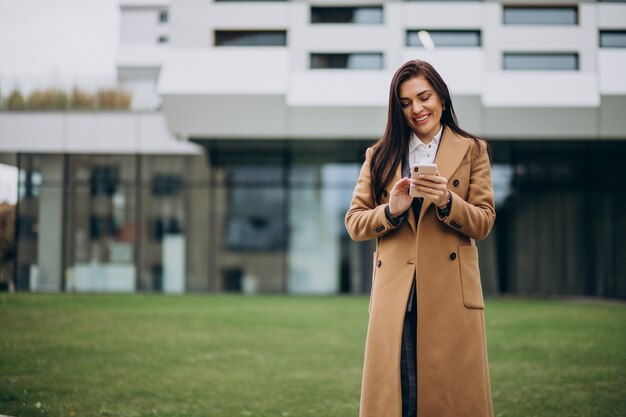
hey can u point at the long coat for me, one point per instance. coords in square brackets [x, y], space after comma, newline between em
[452, 365]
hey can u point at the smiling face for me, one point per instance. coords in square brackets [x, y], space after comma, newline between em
[421, 106]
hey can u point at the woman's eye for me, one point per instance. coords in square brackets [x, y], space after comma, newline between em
[404, 103]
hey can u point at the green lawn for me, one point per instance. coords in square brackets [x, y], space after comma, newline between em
[217, 355]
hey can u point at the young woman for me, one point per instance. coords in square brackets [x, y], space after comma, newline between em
[426, 351]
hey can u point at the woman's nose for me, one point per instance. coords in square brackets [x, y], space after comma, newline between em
[417, 108]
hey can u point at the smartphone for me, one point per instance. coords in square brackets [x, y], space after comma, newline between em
[416, 170]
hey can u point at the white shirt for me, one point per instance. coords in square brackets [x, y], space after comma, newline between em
[420, 153]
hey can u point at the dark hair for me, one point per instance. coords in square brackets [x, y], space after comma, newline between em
[394, 143]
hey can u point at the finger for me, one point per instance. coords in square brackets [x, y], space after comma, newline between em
[431, 178]
[401, 185]
[431, 184]
[431, 192]
[426, 190]
[434, 178]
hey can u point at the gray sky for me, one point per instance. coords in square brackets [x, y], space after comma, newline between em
[55, 43]
[48, 42]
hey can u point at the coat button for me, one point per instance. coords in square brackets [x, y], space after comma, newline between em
[455, 183]
[452, 256]
[379, 263]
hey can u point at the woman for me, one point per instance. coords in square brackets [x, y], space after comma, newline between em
[426, 351]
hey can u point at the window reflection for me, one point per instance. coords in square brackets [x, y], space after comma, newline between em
[357, 60]
[613, 38]
[529, 15]
[256, 209]
[27, 221]
[356, 15]
[101, 226]
[163, 219]
[540, 61]
[250, 38]
[446, 38]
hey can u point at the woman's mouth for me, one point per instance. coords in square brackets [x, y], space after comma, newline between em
[421, 119]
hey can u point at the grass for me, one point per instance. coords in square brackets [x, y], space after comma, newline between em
[224, 355]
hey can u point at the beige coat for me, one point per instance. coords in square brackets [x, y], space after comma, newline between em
[452, 366]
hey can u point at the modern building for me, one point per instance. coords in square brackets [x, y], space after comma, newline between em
[249, 123]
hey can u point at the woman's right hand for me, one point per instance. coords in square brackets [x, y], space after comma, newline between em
[399, 198]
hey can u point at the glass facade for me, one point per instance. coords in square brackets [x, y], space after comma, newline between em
[245, 1]
[101, 223]
[613, 38]
[532, 15]
[277, 211]
[112, 223]
[540, 61]
[444, 38]
[250, 38]
[30, 181]
[558, 231]
[356, 15]
[268, 217]
[356, 60]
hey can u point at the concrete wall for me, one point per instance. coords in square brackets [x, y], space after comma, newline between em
[89, 132]
[206, 89]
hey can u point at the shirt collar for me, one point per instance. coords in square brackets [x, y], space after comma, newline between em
[416, 142]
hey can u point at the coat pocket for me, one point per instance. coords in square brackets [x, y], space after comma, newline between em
[374, 267]
[470, 277]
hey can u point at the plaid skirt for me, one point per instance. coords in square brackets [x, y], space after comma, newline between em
[408, 361]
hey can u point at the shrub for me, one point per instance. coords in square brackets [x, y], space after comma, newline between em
[78, 99]
[15, 101]
[82, 100]
[113, 99]
[48, 99]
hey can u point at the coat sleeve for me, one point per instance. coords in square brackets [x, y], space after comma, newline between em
[364, 220]
[475, 217]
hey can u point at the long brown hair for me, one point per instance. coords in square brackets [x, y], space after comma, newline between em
[394, 143]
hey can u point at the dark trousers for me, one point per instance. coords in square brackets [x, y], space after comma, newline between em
[408, 362]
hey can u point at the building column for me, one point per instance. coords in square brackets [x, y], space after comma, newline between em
[50, 241]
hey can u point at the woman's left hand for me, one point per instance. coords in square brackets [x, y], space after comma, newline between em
[433, 187]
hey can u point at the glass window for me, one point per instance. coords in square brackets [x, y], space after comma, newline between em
[540, 61]
[246, 1]
[613, 38]
[358, 14]
[529, 15]
[163, 16]
[320, 195]
[27, 221]
[257, 220]
[101, 223]
[357, 60]
[248, 219]
[443, 38]
[250, 38]
[163, 39]
[163, 216]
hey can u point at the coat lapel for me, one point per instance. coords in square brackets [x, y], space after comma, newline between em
[452, 150]
[411, 218]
